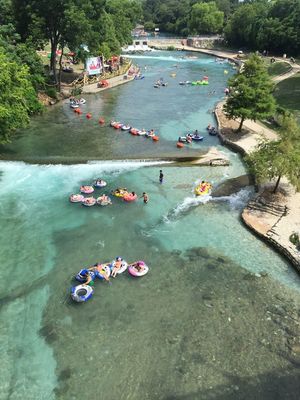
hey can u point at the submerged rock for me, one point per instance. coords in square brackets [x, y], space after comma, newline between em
[233, 185]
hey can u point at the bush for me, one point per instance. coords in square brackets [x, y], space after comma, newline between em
[76, 91]
[294, 238]
[51, 92]
[171, 48]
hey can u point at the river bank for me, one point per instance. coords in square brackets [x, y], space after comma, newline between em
[273, 218]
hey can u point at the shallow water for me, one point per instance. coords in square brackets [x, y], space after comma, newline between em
[195, 327]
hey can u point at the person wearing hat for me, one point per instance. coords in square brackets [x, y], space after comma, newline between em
[117, 266]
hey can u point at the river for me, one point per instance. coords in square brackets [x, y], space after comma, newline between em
[197, 325]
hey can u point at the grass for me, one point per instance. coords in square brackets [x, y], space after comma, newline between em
[287, 94]
[279, 68]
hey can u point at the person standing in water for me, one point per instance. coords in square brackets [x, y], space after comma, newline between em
[161, 176]
[145, 197]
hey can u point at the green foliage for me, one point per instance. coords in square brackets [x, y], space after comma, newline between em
[171, 48]
[76, 91]
[250, 92]
[274, 159]
[18, 99]
[206, 18]
[51, 92]
[266, 25]
[294, 238]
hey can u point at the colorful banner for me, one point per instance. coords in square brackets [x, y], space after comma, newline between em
[93, 66]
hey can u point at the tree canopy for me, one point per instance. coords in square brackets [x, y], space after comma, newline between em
[17, 96]
[206, 18]
[275, 159]
[250, 92]
[257, 25]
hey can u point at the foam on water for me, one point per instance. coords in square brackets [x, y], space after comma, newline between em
[237, 201]
[172, 58]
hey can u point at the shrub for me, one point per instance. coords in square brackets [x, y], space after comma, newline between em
[294, 238]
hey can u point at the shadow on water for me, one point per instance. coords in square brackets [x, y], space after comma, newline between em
[275, 385]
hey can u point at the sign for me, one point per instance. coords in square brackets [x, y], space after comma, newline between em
[93, 65]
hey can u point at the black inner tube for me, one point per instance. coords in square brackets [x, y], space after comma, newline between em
[82, 292]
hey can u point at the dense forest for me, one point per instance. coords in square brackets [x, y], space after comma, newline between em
[256, 24]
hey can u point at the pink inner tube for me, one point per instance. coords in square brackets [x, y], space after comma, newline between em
[76, 198]
[86, 189]
[129, 197]
[134, 272]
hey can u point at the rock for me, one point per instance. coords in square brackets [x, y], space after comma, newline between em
[233, 185]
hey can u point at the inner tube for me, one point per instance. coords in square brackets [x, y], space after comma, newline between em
[202, 189]
[134, 131]
[74, 105]
[129, 197]
[117, 125]
[213, 132]
[180, 145]
[104, 200]
[82, 101]
[120, 192]
[125, 127]
[89, 201]
[142, 132]
[82, 275]
[155, 138]
[123, 268]
[86, 189]
[134, 272]
[81, 293]
[76, 198]
[100, 183]
[197, 137]
[107, 270]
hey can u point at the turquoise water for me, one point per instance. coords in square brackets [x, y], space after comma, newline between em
[178, 333]
[62, 136]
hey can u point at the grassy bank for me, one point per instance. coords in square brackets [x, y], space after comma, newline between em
[279, 68]
[287, 94]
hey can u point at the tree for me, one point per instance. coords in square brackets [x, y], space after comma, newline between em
[250, 93]
[206, 18]
[241, 30]
[17, 97]
[279, 158]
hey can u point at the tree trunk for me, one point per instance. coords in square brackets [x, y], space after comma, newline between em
[241, 124]
[277, 184]
[60, 67]
[53, 59]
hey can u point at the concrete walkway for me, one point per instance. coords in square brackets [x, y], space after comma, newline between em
[116, 81]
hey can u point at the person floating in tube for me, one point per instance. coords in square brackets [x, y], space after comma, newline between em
[117, 266]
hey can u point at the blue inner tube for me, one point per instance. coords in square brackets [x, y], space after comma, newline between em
[81, 293]
[83, 274]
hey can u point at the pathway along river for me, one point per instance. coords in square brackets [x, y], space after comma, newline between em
[201, 324]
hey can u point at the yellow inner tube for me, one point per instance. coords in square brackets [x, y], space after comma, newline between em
[120, 192]
[202, 189]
